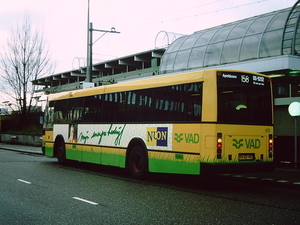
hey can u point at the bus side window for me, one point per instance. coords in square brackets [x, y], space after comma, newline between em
[92, 111]
[170, 103]
[120, 107]
[75, 109]
[178, 97]
[193, 101]
[114, 107]
[60, 110]
[49, 114]
[131, 106]
[144, 105]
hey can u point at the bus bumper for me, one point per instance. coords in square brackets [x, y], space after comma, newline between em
[220, 168]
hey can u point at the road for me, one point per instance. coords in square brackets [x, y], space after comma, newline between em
[37, 190]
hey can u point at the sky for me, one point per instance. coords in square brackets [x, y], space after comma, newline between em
[64, 23]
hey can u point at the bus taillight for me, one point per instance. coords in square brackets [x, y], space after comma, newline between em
[271, 145]
[219, 145]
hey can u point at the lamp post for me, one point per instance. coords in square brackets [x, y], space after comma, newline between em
[294, 110]
[90, 43]
[90, 51]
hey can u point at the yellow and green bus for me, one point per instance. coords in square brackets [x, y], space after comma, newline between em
[194, 122]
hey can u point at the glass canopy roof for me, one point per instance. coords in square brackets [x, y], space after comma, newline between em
[268, 35]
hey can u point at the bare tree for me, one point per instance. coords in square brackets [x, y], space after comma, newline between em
[25, 58]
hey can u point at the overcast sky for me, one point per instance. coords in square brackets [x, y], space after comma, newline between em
[64, 23]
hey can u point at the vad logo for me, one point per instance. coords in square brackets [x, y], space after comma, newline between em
[187, 137]
[250, 143]
[157, 136]
[237, 143]
[178, 137]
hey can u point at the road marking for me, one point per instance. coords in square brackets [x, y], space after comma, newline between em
[24, 181]
[238, 176]
[282, 181]
[252, 178]
[267, 179]
[296, 183]
[84, 200]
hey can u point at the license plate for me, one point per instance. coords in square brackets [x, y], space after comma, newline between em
[246, 157]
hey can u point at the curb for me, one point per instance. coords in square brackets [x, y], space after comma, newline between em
[21, 150]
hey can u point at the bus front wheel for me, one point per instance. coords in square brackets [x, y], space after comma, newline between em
[61, 151]
[138, 162]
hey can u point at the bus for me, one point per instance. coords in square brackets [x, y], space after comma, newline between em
[196, 122]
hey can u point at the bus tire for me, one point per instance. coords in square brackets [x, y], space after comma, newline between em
[60, 151]
[138, 162]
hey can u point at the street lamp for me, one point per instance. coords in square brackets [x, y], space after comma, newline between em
[90, 48]
[294, 110]
[90, 43]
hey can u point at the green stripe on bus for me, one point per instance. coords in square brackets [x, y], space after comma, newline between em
[97, 157]
[170, 166]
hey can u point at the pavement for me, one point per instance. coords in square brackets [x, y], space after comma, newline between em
[282, 175]
[22, 148]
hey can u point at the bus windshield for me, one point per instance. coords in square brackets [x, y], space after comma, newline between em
[244, 99]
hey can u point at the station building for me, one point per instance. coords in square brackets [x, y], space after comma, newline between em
[267, 44]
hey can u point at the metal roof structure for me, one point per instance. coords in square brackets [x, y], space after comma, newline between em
[269, 35]
[137, 65]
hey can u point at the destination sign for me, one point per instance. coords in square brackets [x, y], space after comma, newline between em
[243, 78]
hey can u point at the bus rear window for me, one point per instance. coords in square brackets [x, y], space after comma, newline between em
[244, 99]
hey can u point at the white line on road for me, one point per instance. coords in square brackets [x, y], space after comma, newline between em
[267, 179]
[84, 200]
[282, 181]
[238, 176]
[24, 181]
[252, 178]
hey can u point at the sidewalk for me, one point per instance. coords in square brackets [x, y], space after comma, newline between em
[21, 148]
[280, 176]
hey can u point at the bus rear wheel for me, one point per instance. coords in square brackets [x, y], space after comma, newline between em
[138, 162]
